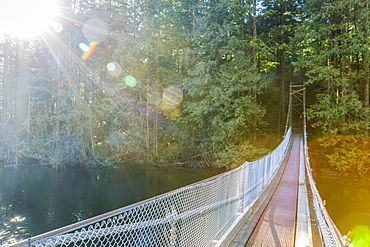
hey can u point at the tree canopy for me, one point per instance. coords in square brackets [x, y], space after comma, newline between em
[166, 81]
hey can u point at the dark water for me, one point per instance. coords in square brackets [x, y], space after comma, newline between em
[35, 199]
[348, 203]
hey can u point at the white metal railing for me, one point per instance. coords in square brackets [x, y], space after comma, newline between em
[195, 215]
[329, 233]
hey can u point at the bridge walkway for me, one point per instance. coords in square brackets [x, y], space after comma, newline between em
[277, 223]
[276, 227]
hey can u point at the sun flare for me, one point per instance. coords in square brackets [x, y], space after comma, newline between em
[26, 18]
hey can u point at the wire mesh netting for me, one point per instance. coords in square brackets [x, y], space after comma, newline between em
[329, 233]
[195, 215]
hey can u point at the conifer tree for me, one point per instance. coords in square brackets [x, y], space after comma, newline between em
[334, 41]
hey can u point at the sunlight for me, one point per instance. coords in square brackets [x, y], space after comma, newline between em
[361, 236]
[26, 18]
[17, 219]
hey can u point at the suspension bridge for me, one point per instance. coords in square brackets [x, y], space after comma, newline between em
[272, 201]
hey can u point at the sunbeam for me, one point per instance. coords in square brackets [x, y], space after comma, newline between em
[26, 19]
[68, 61]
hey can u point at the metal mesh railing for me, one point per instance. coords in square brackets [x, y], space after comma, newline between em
[195, 215]
[329, 233]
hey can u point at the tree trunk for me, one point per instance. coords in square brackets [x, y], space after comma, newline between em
[281, 79]
[366, 89]
[367, 79]
[254, 28]
[4, 100]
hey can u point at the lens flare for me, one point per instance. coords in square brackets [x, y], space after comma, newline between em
[361, 236]
[130, 81]
[114, 69]
[111, 66]
[84, 47]
[171, 99]
[91, 49]
[95, 29]
[172, 95]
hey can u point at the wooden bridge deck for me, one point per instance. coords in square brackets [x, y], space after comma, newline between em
[276, 227]
[279, 221]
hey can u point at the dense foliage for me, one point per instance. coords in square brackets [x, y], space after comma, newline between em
[348, 155]
[199, 79]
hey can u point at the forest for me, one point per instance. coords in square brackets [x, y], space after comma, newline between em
[186, 81]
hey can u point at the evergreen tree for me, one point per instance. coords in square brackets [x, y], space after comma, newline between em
[276, 27]
[223, 83]
[334, 56]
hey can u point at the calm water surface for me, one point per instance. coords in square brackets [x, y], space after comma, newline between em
[35, 199]
[348, 203]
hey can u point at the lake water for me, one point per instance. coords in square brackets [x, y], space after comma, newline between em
[35, 199]
[348, 203]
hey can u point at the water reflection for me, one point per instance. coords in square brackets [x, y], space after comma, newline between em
[12, 229]
[35, 199]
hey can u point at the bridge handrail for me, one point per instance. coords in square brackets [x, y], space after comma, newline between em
[195, 215]
[329, 232]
